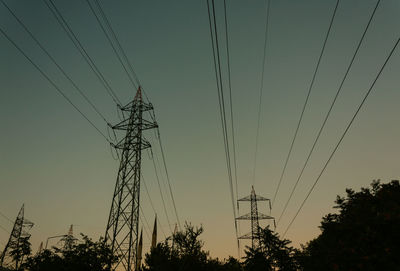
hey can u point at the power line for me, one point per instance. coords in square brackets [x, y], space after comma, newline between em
[70, 33]
[305, 103]
[151, 203]
[4, 229]
[261, 89]
[167, 175]
[148, 195]
[329, 111]
[161, 194]
[230, 101]
[343, 135]
[109, 38]
[146, 223]
[232, 118]
[221, 100]
[54, 61]
[130, 66]
[6, 217]
[52, 83]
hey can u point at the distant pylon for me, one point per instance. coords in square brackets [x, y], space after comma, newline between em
[154, 236]
[254, 216]
[123, 223]
[19, 233]
[69, 240]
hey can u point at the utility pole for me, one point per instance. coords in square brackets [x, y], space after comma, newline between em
[123, 223]
[19, 234]
[254, 216]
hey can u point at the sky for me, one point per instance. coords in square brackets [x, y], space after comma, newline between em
[52, 160]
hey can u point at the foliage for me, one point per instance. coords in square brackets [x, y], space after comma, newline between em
[184, 251]
[362, 236]
[20, 251]
[273, 253]
[257, 260]
[83, 256]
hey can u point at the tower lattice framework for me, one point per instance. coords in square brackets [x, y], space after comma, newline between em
[19, 233]
[254, 216]
[123, 222]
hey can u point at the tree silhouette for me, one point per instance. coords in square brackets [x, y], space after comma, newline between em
[184, 252]
[83, 256]
[362, 236]
[21, 250]
[273, 253]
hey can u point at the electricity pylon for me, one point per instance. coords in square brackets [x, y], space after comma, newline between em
[19, 235]
[69, 240]
[123, 222]
[254, 216]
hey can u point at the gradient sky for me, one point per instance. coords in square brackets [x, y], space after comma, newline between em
[64, 172]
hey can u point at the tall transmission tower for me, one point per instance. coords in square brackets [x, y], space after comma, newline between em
[254, 216]
[123, 222]
[19, 234]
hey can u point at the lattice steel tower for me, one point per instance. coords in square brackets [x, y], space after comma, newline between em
[19, 234]
[254, 216]
[123, 222]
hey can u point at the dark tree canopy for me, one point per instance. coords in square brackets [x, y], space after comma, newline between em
[184, 252]
[364, 235]
[274, 253]
[85, 256]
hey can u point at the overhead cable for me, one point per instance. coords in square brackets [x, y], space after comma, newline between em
[168, 179]
[109, 38]
[53, 84]
[329, 111]
[231, 101]
[161, 195]
[70, 33]
[343, 135]
[261, 88]
[55, 62]
[305, 102]
[221, 100]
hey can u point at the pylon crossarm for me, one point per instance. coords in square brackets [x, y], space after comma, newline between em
[257, 198]
[262, 216]
[246, 236]
[145, 106]
[248, 198]
[244, 217]
[260, 198]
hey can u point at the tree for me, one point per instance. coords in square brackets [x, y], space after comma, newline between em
[362, 236]
[161, 258]
[256, 260]
[20, 251]
[183, 251]
[45, 261]
[232, 264]
[83, 256]
[273, 253]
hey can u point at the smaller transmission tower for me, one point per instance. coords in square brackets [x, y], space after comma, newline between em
[69, 240]
[19, 235]
[254, 216]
